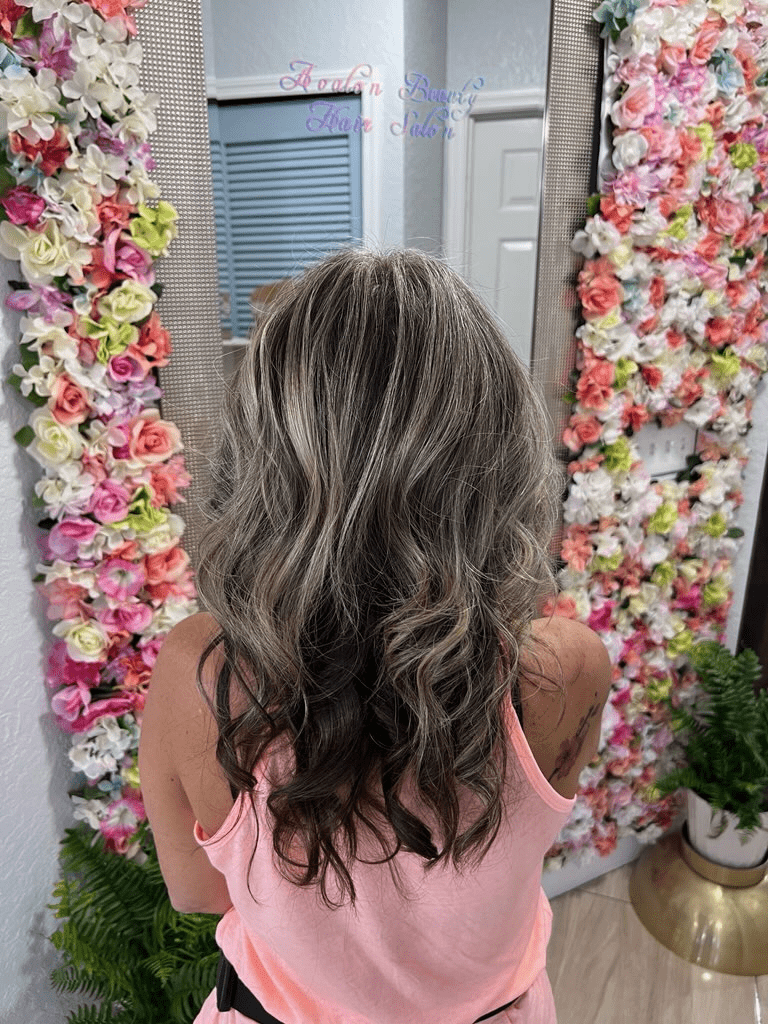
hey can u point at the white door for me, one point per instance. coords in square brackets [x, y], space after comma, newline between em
[504, 176]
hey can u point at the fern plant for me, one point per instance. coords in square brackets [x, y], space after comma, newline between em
[724, 736]
[123, 945]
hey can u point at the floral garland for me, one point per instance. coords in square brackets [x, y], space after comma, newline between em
[74, 164]
[674, 306]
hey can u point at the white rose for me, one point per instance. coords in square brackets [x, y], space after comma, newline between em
[44, 254]
[728, 9]
[628, 150]
[54, 443]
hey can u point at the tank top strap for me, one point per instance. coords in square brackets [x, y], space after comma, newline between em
[533, 773]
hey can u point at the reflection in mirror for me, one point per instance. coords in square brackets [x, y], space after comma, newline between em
[402, 123]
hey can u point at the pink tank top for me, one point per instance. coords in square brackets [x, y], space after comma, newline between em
[463, 946]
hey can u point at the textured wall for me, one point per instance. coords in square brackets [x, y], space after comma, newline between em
[505, 41]
[34, 770]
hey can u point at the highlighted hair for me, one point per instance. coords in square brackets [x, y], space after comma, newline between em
[384, 498]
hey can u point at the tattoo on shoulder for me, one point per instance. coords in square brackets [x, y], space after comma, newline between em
[570, 748]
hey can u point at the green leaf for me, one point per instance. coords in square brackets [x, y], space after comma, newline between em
[569, 398]
[593, 204]
[7, 182]
[24, 436]
[26, 26]
[29, 357]
[14, 381]
[36, 400]
[734, 532]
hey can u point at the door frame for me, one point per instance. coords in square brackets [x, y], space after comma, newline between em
[456, 186]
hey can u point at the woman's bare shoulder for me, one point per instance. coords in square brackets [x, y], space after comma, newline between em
[575, 650]
[562, 721]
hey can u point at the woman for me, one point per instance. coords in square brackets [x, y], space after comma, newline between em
[361, 752]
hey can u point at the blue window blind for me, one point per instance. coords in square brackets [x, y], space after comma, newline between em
[283, 196]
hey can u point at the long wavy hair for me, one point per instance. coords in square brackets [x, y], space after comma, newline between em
[384, 497]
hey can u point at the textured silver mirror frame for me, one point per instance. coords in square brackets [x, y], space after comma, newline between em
[171, 35]
[571, 145]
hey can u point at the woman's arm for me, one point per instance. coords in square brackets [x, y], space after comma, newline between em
[180, 779]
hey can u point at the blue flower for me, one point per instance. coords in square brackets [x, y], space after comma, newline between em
[728, 71]
[614, 15]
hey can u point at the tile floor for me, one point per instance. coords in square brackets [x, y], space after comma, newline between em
[605, 968]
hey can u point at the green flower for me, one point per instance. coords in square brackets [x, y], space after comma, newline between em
[624, 370]
[658, 690]
[607, 563]
[725, 365]
[114, 337]
[663, 519]
[678, 227]
[715, 592]
[716, 525]
[707, 135]
[142, 515]
[618, 456]
[663, 574]
[130, 302]
[743, 155]
[153, 229]
[130, 776]
[681, 643]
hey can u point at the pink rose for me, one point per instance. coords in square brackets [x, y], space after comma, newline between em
[109, 502]
[64, 599]
[600, 290]
[99, 709]
[706, 41]
[166, 565]
[65, 538]
[68, 703]
[582, 430]
[153, 440]
[595, 387]
[23, 206]
[635, 105]
[602, 617]
[122, 255]
[63, 671]
[125, 367]
[722, 215]
[120, 579]
[150, 650]
[133, 617]
[68, 403]
[166, 479]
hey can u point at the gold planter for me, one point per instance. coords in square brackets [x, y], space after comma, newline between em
[713, 916]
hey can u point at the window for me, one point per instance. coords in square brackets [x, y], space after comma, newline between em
[283, 196]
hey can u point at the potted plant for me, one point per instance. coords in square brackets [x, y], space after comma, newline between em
[725, 739]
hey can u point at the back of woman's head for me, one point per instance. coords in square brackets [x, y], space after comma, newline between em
[384, 498]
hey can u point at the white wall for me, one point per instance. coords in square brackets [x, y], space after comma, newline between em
[34, 769]
[505, 41]
[261, 38]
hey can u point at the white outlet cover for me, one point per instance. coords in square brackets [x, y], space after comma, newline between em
[664, 449]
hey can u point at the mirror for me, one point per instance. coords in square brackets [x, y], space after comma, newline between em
[404, 123]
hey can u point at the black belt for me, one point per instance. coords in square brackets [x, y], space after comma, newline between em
[231, 994]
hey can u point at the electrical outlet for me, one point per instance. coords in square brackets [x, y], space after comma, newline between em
[665, 449]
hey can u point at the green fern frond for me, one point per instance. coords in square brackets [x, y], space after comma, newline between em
[122, 942]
